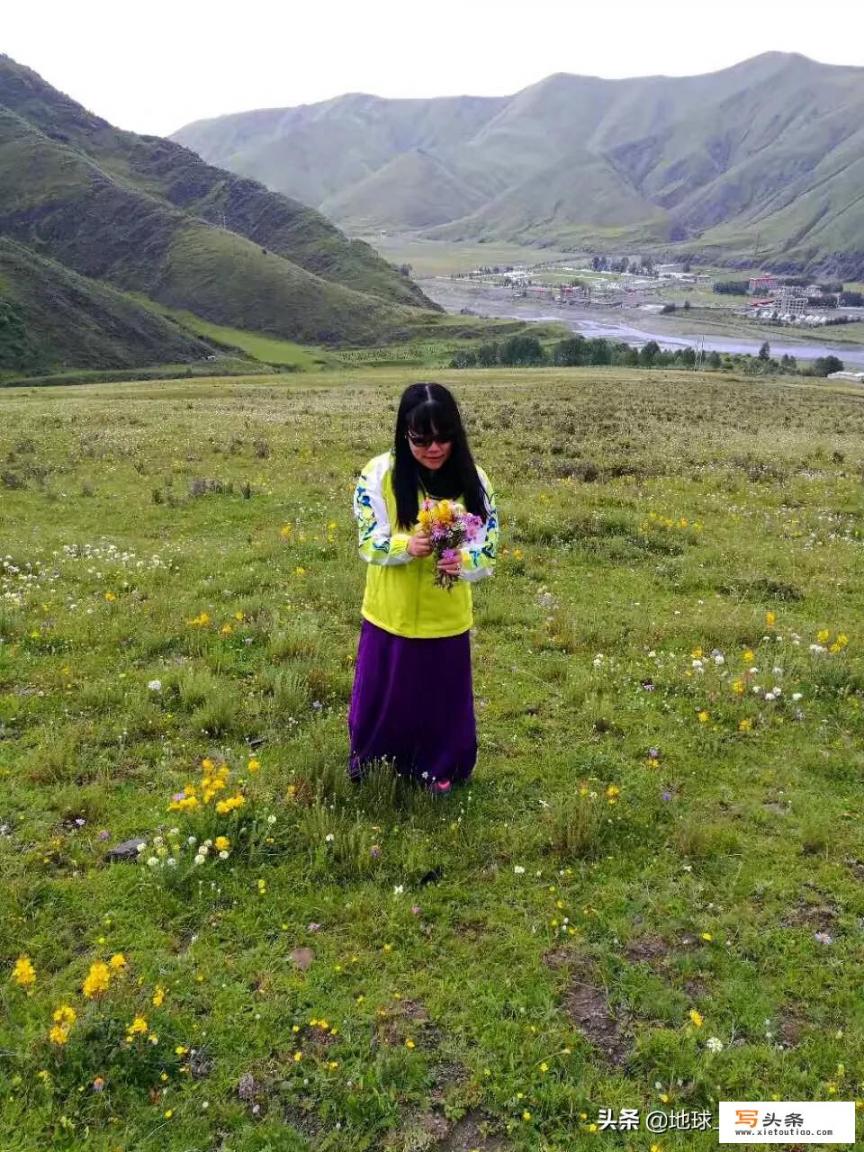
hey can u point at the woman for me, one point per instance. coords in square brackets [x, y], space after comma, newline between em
[412, 701]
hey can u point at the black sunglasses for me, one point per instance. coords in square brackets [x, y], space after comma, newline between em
[426, 441]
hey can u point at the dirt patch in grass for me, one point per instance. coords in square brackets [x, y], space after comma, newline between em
[790, 1030]
[431, 1132]
[588, 1008]
[819, 917]
[561, 957]
[446, 1076]
[408, 1020]
[470, 1133]
[651, 950]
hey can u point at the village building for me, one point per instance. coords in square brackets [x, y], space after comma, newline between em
[762, 285]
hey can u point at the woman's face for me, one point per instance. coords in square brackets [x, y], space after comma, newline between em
[429, 450]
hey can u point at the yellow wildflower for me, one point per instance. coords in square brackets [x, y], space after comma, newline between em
[253, 765]
[747, 656]
[704, 717]
[696, 1017]
[117, 961]
[110, 597]
[158, 996]
[65, 1016]
[409, 1043]
[221, 843]
[770, 619]
[24, 974]
[738, 687]
[97, 980]
[232, 802]
[745, 725]
[822, 636]
[183, 804]
[138, 1027]
[226, 630]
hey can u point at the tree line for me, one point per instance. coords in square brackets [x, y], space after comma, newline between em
[577, 351]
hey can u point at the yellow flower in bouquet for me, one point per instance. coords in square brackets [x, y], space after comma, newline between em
[449, 526]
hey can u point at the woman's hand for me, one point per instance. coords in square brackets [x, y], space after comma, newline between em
[420, 544]
[451, 563]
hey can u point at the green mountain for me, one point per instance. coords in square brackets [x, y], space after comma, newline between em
[148, 216]
[765, 156]
[51, 317]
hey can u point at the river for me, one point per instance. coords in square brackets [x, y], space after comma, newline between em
[483, 300]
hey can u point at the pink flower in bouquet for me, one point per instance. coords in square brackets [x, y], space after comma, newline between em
[473, 524]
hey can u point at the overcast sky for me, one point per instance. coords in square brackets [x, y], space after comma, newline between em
[155, 66]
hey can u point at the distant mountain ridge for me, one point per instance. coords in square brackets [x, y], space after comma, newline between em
[147, 216]
[762, 160]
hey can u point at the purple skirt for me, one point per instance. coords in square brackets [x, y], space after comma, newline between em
[413, 704]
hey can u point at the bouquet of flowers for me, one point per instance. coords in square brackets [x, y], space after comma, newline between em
[449, 526]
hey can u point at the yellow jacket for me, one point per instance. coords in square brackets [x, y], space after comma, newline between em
[401, 596]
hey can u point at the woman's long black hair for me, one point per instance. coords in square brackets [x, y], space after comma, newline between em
[428, 410]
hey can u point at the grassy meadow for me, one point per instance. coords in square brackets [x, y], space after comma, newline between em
[649, 896]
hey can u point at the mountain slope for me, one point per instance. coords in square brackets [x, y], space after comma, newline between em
[65, 206]
[149, 215]
[767, 147]
[319, 150]
[414, 190]
[51, 317]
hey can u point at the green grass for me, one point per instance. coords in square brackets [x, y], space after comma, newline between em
[442, 258]
[540, 947]
[265, 349]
